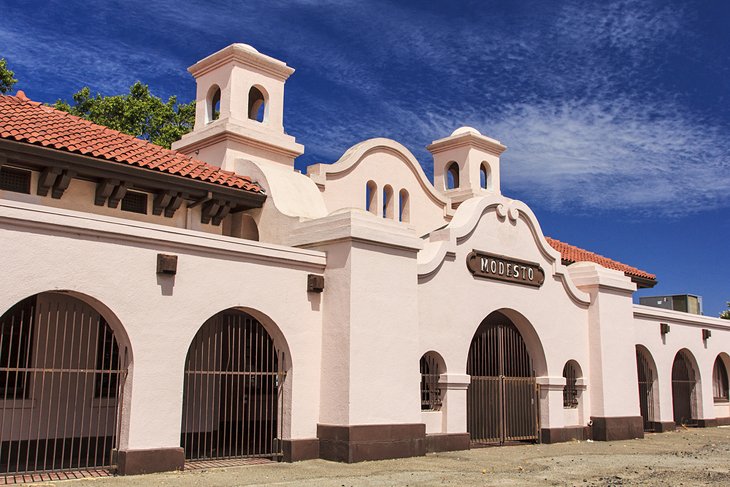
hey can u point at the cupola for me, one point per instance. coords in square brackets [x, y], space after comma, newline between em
[239, 110]
[466, 164]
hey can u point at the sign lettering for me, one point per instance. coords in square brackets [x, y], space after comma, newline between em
[491, 266]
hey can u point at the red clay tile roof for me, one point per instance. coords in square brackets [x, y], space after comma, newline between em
[571, 253]
[27, 121]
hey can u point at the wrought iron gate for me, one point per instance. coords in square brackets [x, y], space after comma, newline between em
[232, 402]
[683, 390]
[61, 384]
[503, 398]
[646, 389]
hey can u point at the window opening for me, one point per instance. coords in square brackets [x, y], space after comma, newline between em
[387, 202]
[135, 202]
[371, 192]
[719, 381]
[570, 391]
[403, 209]
[452, 176]
[430, 389]
[483, 176]
[256, 104]
[15, 180]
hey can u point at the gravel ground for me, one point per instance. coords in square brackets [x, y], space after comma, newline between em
[690, 457]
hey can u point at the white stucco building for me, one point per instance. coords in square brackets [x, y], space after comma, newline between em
[165, 307]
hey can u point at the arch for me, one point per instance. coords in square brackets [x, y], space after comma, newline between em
[571, 373]
[258, 101]
[502, 400]
[388, 202]
[685, 387]
[404, 211]
[720, 390]
[431, 366]
[452, 176]
[235, 389]
[241, 225]
[485, 176]
[648, 387]
[213, 104]
[371, 197]
[63, 354]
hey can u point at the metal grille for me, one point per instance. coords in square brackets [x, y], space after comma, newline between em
[430, 389]
[502, 400]
[646, 389]
[16, 180]
[61, 388]
[683, 390]
[570, 391]
[232, 403]
[719, 381]
[135, 202]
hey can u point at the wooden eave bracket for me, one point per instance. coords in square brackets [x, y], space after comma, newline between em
[110, 191]
[215, 210]
[56, 180]
[167, 202]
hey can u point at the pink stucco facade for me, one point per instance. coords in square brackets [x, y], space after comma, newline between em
[392, 248]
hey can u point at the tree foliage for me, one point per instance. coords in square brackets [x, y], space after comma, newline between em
[138, 113]
[725, 315]
[6, 77]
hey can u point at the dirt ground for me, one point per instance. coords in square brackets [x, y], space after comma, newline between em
[689, 457]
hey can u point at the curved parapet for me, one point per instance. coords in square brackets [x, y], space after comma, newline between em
[358, 178]
[444, 242]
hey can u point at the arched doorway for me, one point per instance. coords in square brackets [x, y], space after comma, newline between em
[502, 399]
[233, 391]
[684, 383]
[647, 380]
[62, 375]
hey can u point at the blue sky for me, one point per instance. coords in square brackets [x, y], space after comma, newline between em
[616, 113]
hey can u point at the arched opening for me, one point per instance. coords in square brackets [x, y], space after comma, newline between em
[571, 374]
[213, 104]
[684, 387]
[648, 395]
[404, 213]
[233, 390]
[431, 366]
[719, 380]
[371, 197]
[62, 377]
[502, 400]
[452, 176]
[388, 203]
[257, 104]
[484, 176]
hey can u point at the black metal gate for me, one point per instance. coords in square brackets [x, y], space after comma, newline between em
[646, 389]
[61, 384]
[683, 389]
[233, 391]
[503, 398]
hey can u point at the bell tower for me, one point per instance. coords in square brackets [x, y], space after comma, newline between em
[466, 164]
[239, 110]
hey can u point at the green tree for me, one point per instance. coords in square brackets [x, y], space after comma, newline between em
[725, 315]
[6, 77]
[138, 113]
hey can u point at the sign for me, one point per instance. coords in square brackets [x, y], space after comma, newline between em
[491, 266]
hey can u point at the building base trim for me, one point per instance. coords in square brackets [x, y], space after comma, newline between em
[299, 450]
[663, 426]
[358, 443]
[567, 433]
[136, 462]
[447, 442]
[617, 428]
[707, 423]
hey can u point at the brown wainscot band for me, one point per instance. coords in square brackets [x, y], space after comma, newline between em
[298, 450]
[561, 435]
[359, 443]
[617, 428]
[447, 442]
[663, 426]
[136, 462]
